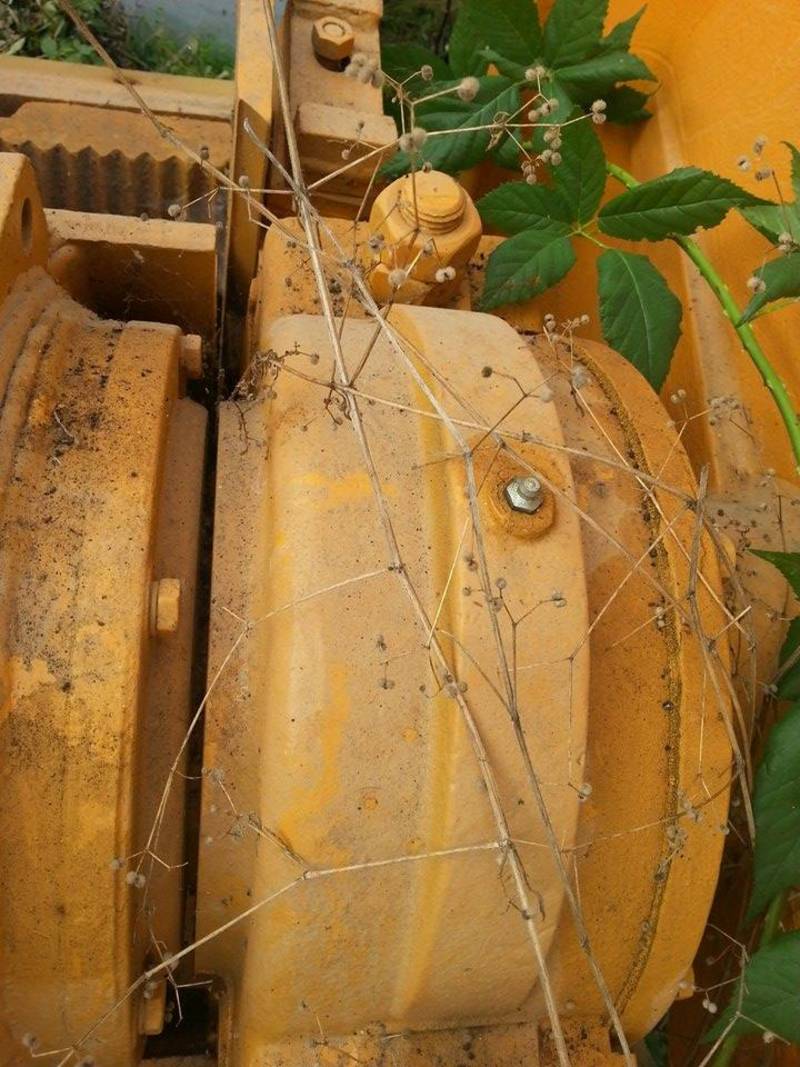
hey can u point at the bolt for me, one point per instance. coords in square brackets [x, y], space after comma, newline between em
[524, 493]
[192, 355]
[165, 606]
[332, 38]
[433, 201]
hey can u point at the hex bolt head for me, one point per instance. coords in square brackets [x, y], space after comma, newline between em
[332, 38]
[524, 493]
[165, 606]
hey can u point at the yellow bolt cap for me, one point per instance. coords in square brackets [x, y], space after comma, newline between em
[332, 38]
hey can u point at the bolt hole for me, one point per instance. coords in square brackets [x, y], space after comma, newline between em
[26, 225]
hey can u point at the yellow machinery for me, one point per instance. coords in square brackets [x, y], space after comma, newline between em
[420, 752]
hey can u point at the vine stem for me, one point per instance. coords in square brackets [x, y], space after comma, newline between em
[770, 928]
[733, 313]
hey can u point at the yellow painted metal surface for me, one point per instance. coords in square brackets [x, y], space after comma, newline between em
[156, 269]
[113, 161]
[23, 78]
[334, 739]
[429, 229]
[94, 151]
[254, 108]
[334, 113]
[352, 897]
[100, 478]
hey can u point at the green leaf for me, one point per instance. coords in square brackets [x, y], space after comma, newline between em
[573, 31]
[640, 316]
[402, 60]
[601, 73]
[581, 175]
[788, 563]
[625, 105]
[768, 996]
[512, 70]
[781, 277]
[527, 264]
[776, 806]
[675, 203]
[553, 89]
[795, 168]
[770, 220]
[506, 153]
[455, 151]
[511, 27]
[516, 206]
[49, 47]
[789, 683]
[620, 36]
[657, 1044]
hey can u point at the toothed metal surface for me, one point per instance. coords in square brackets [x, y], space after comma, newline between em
[88, 159]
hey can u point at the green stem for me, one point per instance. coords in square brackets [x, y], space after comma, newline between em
[580, 232]
[772, 919]
[731, 309]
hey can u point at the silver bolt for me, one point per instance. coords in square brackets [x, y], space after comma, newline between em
[524, 493]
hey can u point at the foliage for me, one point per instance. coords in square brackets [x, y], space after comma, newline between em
[574, 63]
[40, 28]
[777, 791]
[568, 72]
[640, 316]
[776, 805]
[767, 996]
[426, 21]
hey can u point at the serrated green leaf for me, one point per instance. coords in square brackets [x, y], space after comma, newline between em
[795, 168]
[515, 71]
[516, 206]
[781, 277]
[674, 204]
[776, 806]
[625, 105]
[527, 264]
[581, 175]
[619, 37]
[771, 220]
[402, 60]
[467, 138]
[768, 996]
[506, 153]
[789, 682]
[510, 27]
[640, 315]
[553, 89]
[573, 31]
[788, 563]
[601, 73]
